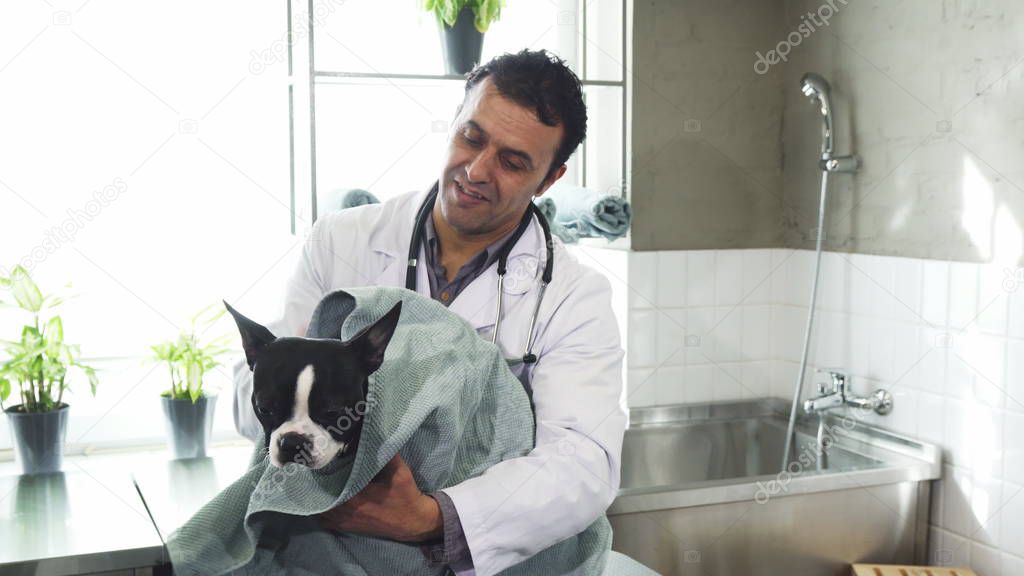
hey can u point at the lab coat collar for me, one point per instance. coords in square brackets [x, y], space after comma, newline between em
[392, 234]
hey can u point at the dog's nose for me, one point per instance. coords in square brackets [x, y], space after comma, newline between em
[291, 445]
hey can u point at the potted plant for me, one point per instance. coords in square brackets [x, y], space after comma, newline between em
[462, 24]
[37, 366]
[187, 406]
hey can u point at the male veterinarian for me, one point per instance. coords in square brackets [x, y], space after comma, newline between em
[521, 118]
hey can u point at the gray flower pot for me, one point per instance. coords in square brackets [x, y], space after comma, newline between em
[38, 438]
[461, 44]
[189, 425]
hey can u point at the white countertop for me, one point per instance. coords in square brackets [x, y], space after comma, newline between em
[90, 517]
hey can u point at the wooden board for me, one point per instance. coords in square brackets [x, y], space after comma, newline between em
[883, 570]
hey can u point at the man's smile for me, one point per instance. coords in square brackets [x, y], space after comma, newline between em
[466, 196]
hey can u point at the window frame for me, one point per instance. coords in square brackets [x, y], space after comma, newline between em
[302, 96]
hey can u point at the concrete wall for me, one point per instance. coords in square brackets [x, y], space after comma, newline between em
[930, 94]
[707, 154]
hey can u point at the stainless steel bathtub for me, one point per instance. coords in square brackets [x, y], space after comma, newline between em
[703, 493]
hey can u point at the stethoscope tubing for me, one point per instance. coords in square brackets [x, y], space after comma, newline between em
[532, 211]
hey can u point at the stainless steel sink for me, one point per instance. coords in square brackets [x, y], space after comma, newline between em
[703, 492]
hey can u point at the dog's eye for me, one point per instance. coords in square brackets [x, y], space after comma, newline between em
[263, 412]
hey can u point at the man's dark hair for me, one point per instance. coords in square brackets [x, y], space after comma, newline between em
[542, 82]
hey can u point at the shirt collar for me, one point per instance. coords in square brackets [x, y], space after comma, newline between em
[433, 247]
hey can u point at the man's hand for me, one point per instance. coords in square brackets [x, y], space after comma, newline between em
[390, 506]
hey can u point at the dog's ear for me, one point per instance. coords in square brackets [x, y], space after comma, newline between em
[254, 336]
[371, 341]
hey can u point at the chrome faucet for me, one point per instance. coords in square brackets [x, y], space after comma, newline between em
[837, 393]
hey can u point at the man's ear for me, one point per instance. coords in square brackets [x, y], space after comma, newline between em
[549, 181]
[370, 343]
[254, 336]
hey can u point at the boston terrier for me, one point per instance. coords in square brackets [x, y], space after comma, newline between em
[310, 394]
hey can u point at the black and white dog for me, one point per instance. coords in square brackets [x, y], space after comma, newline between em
[310, 393]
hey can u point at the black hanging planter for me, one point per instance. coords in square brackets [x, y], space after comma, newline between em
[38, 438]
[189, 425]
[461, 43]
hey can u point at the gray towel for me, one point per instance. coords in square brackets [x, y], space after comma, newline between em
[591, 214]
[342, 198]
[550, 211]
[444, 398]
[358, 197]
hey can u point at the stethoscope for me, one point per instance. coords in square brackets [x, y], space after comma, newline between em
[417, 241]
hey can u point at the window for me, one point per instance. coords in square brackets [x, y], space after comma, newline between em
[157, 108]
[379, 101]
[158, 157]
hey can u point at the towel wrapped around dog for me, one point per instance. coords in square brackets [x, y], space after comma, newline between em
[443, 398]
[589, 213]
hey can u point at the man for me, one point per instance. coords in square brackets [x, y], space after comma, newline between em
[521, 118]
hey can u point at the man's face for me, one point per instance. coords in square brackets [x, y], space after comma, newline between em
[498, 157]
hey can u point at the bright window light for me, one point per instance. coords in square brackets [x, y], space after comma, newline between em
[147, 158]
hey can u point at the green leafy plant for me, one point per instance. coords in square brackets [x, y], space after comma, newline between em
[485, 12]
[188, 360]
[38, 363]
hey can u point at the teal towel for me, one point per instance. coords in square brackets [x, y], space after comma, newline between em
[342, 198]
[444, 399]
[358, 197]
[549, 210]
[589, 213]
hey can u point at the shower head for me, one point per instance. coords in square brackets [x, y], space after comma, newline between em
[817, 89]
[813, 84]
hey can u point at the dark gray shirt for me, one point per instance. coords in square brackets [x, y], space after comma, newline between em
[453, 550]
[440, 288]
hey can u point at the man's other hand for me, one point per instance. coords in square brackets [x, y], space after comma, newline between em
[390, 506]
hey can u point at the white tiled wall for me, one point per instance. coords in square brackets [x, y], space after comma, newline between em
[946, 338]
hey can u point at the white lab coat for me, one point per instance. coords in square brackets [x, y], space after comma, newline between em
[521, 506]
